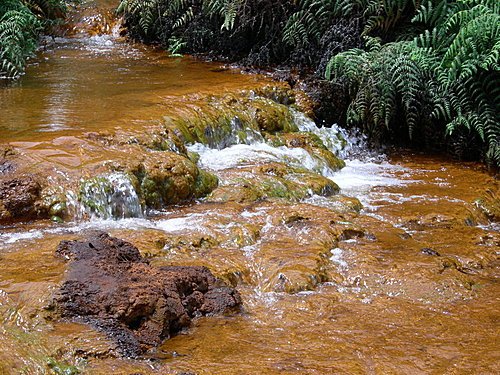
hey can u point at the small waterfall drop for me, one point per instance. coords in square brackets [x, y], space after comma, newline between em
[108, 197]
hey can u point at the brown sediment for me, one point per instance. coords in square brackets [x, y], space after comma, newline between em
[110, 286]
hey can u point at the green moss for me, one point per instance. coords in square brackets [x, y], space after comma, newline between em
[61, 368]
[151, 192]
[194, 157]
[205, 183]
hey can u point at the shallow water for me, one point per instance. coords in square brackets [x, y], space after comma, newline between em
[84, 83]
[407, 286]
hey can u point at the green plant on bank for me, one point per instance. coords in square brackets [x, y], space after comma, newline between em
[383, 18]
[179, 12]
[21, 21]
[385, 81]
[448, 74]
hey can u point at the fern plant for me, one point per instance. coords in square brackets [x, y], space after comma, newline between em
[21, 21]
[19, 29]
[227, 9]
[385, 81]
[448, 75]
[466, 34]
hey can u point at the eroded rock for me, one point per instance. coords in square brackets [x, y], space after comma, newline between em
[19, 199]
[110, 286]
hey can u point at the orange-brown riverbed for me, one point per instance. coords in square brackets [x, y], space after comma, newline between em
[407, 285]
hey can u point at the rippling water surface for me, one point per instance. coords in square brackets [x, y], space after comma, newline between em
[390, 305]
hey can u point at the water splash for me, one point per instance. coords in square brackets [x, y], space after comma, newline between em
[237, 133]
[335, 139]
[107, 197]
[241, 155]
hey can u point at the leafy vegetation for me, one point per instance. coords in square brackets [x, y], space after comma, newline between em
[253, 31]
[446, 76]
[21, 21]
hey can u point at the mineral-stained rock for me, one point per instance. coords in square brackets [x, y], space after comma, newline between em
[19, 199]
[110, 286]
[489, 203]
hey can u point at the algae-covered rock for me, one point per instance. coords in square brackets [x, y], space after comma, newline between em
[281, 93]
[205, 183]
[272, 117]
[312, 144]
[273, 180]
[233, 119]
[241, 193]
[166, 178]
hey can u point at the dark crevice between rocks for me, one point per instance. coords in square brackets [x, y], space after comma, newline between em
[112, 288]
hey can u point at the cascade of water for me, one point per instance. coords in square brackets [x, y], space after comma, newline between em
[246, 146]
[238, 133]
[334, 138]
[107, 197]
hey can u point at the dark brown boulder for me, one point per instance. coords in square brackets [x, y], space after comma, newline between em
[19, 199]
[110, 286]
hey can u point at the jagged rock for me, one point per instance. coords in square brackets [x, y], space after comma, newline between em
[110, 286]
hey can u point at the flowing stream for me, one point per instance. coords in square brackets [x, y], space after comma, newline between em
[396, 274]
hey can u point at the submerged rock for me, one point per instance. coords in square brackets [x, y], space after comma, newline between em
[270, 181]
[110, 286]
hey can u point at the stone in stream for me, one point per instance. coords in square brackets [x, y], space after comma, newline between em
[110, 286]
[19, 199]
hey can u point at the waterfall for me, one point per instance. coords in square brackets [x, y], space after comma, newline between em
[107, 197]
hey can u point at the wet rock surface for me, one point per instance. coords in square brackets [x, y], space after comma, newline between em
[110, 286]
[19, 199]
[271, 181]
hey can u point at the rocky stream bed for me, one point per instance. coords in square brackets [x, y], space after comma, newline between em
[163, 215]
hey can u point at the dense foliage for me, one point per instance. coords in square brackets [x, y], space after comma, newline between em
[20, 24]
[252, 31]
[446, 74]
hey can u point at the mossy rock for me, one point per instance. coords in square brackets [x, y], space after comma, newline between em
[168, 178]
[205, 183]
[313, 145]
[272, 117]
[272, 181]
[235, 193]
[281, 94]
[221, 122]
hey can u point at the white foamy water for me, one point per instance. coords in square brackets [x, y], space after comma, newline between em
[361, 174]
[190, 222]
[10, 238]
[334, 138]
[338, 258]
[359, 177]
[110, 196]
[241, 155]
